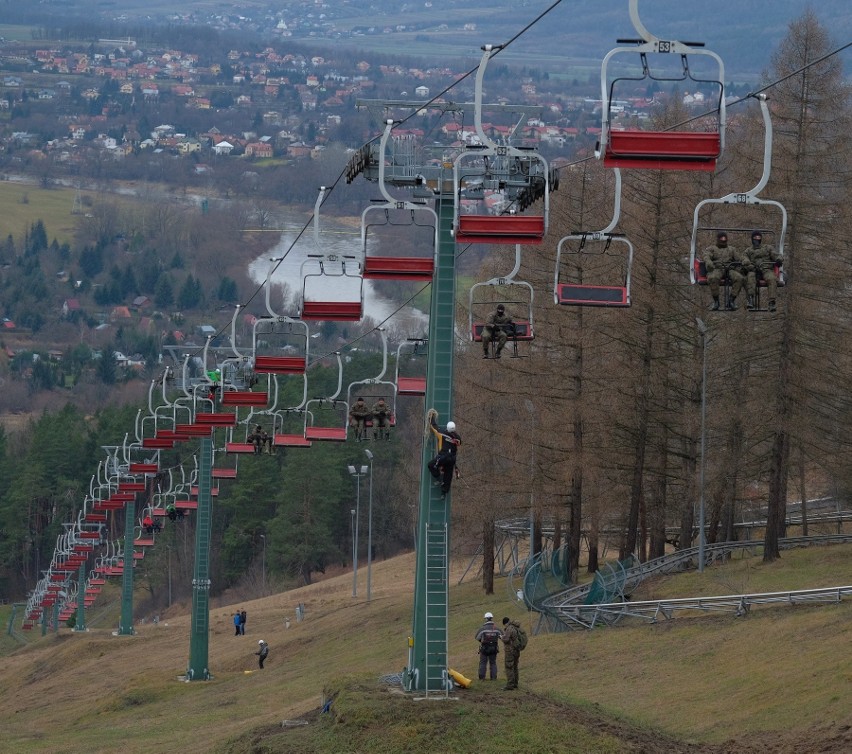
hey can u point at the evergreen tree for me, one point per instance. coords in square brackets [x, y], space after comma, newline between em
[164, 293]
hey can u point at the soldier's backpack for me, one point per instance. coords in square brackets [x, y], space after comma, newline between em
[489, 644]
[523, 639]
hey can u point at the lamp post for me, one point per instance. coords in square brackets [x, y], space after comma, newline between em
[531, 408]
[369, 455]
[169, 548]
[263, 564]
[702, 331]
[354, 553]
[357, 473]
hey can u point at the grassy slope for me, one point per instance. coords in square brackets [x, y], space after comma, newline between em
[702, 680]
[52, 206]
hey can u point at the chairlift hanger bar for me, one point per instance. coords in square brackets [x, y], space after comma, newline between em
[642, 41]
[448, 107]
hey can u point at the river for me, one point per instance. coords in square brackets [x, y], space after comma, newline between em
[345, 242]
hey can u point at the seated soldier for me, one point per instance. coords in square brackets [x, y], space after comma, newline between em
[499, 326]
[760, 263]
[257, 439]
[723, 262]
[381, 419]
[359, 413]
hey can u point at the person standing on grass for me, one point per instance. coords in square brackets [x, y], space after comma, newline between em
[511, 652]
[243, 622]
[489, 646]
[237, 623]
[262, 652]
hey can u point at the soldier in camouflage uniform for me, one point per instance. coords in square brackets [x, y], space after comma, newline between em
[760, 260]
[718, 260]
[499, 325]
[511, 653]
[381, 420]
[359, 413]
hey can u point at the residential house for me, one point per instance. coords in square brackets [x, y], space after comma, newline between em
[223, 148]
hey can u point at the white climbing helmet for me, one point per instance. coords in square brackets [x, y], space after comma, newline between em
[451, 426]
[261, 642]
[488, 616]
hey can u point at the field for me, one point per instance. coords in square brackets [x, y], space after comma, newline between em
[777, 680]
[23, 204]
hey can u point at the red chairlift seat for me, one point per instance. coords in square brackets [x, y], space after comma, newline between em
[701, 275]
[143, 542]
[216, 420]
[291, 441]
[224, 473]
[280, 364]
[591, 295]
[143, 468]
[500, 229]
[399, 268]
[186, 505]
[244, 398]
[95, 518]
[663, 150]
[172, 435]
[339, 311]
[523, 331]
[239, 447]
[97, 582]
[411, 385]
[214, 491]
[193, 430]
[130, 487]
[139, 555]
[335, 434]
[89, 534]
[157, 442]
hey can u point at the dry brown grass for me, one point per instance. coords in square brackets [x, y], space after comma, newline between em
[706, 680]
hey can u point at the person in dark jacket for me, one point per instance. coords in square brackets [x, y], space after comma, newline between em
[489, 647]
[443, 465]
[498, 327]
[262, 652]
[243, 622]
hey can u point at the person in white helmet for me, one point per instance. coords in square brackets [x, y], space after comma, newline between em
[443, 465]
[489, 646]
[262, 652]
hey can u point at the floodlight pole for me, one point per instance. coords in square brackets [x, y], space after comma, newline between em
[370, 531]
[702, 331]
[354, 554]
[357, 473]
[263, 564]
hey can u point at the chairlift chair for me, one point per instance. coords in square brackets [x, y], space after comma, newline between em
[521, 297]
[660, 150]
[375, 388]
[345, 268]
[327, 418]
[489, 172]
[742, 205]
[408, 353]
[289, 423]
[398, 213]
[599, 243]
